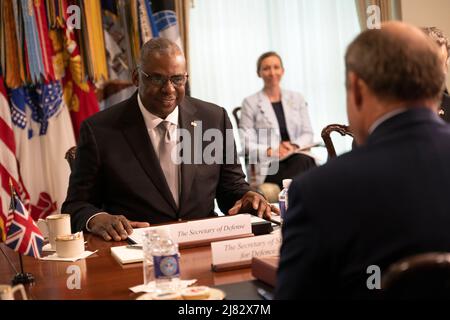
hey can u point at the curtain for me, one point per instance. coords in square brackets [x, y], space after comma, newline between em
[390, 10]
[227, 36]
[182, 8]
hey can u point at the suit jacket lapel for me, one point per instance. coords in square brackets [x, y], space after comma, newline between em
[187, 118]
[136, 134]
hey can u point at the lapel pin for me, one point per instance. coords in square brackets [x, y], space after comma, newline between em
[193, 123]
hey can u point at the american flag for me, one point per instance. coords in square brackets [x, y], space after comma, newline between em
[43, 133]
[23, 235]
[9, 170]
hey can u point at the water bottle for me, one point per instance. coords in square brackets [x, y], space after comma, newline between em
[166, 264]
[150, 238]
[283, 197]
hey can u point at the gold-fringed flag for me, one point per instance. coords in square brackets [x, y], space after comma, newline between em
[44, 39]
[13, 43]
[146, 21]
[166, 21]
[79, 92]
[2, 229]
[96, 44]
[34, 62]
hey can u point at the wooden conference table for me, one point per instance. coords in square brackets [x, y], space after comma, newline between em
[102, 277]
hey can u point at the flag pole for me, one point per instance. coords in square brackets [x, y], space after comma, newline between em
[22, 277]
[9, 260]
[13, 193]
[21, 263]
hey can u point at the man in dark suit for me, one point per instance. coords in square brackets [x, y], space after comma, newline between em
[386, 199]
[126, 174]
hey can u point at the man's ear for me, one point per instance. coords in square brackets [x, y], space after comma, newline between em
[357, 87]
[135, 77]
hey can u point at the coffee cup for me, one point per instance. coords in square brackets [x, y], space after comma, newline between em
[70, 246]
[58, 225]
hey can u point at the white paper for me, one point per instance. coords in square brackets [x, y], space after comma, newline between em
[48, 248]
[54, 257]
[149, 288]
[127, 255]
[232, 251]
[304, 150]
[205, 229]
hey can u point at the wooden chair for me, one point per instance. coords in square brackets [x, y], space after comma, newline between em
[422, 276]
[326, 132]
[237, 114]
[270, 190]
[252, 168]
[70, 157]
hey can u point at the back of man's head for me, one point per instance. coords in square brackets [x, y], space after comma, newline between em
[398, 63]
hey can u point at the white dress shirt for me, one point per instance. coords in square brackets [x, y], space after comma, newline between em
[385, 117]
[151, 123]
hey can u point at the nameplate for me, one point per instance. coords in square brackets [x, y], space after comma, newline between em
[238, 253]
[203, 231]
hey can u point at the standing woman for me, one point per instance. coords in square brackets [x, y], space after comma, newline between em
[282, 112]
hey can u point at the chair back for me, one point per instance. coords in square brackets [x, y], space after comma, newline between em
[237, 114]
[422, 276]
[70, 157]
[252, 168]
[326, 132]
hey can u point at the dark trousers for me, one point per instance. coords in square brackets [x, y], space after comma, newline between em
[291, 167]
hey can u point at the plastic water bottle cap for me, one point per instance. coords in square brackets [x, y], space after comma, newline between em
[163, 232]
[286, 183]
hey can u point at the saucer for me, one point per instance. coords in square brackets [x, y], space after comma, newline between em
[216, 294]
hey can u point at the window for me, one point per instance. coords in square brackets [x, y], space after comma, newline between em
[227, 36]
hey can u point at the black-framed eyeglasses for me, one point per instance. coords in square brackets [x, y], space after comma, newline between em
[178, 80]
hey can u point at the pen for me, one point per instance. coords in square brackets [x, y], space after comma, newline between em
[278, 223]
[274, 221]
[134, 246]
[130, 241]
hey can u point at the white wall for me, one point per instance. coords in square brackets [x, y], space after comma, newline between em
[428, 13]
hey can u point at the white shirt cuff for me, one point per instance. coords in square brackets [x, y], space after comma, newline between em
[87, 222]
